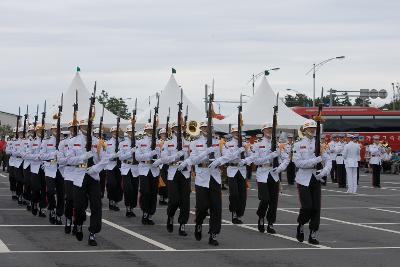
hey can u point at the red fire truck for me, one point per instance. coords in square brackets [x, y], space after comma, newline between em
[365, 121]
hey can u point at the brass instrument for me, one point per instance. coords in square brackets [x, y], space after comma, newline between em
[193, 130]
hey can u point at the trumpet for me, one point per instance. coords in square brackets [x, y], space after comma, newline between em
[300, 132]
[193, 129]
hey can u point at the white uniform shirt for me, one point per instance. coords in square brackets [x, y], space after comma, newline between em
[18, 149]
[170, 156]
[351, 154]
[143, 155]
[376, 152]
[62, 159]
[110, 150]
[48, 154]
[231, 153]
[126, 157]
[32, 154]
[339, 146]
[9, 149]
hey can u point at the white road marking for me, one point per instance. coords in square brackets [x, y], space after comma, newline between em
[2, 175]
[336, 191]
[391, 211]
[137, 235]
[351, 223]
[3, 247]
[383, 188]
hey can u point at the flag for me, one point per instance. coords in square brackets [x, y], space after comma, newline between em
[216, 115]
[173, 71]
[78, 69]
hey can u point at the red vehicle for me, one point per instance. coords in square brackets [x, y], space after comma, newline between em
[365, 121]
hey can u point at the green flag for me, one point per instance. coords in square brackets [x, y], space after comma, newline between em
[78, 69]
[173, 71]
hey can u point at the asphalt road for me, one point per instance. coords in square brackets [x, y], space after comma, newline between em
[356, 230]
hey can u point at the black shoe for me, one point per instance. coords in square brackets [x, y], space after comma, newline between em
[312, 238]
[58, 221]
[79, 233]
[19, 202]
[74, 229]
[236, 221]
[170, 224]
[24, 202]
[162, 202]
[14, 197]
[116, 208]
[52, 217]
[150, 221]
[92, 240]
[144, 220]
[29, 208]
[129, 214]
[34, 211]
[67, 228]
[42, 214]
[182, 231]
[300, 233]
[212, 240]
[197, 232]
[261, 226]
[270, 229]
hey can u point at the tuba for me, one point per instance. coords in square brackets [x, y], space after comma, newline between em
[300, 132]
[193, 129]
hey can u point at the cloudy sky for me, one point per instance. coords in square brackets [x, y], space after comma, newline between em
[129, 46]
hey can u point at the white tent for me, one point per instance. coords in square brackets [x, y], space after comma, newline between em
[77, 84]
[259, 110]
[169, 98]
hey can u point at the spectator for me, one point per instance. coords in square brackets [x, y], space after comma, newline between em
[386, 162]
[395, 160]
[3, 145]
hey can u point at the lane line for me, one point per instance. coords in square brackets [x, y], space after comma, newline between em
[351, 223]
[2, 175]
[391, 211]
[137, 235]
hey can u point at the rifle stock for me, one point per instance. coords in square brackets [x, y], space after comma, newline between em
[275, 161]
[89, 139]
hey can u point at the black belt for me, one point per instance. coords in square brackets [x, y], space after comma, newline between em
[233, 164]
[202, 165]
[339, 155]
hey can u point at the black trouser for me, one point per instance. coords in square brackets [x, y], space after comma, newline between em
[310, 201]
[341, 175]
[55, 193]
[248, 172]
[209, 198]
[11, 178]
[114, 186]
[131, 186]
[358, 172]
[333, 172]
[19, 180]
[69, 199]
[179, 197]
[291, 172]
[89, 192]
[103, 177]
[268, 194]
[237, 194]
[38, 183]
[27, 181]
[148, 193]
[376, 175]
[163, 190]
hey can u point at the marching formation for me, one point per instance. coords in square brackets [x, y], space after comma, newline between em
[61, 178]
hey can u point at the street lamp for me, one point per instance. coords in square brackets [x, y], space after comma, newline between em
[316, 67]
[300, 93]
[256, 76]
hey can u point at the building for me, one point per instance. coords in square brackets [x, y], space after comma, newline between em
[8, 119]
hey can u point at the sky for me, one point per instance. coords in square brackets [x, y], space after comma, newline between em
[129, 47]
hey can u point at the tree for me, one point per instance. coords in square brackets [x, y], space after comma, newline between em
[298, 100]
[115, 105]
[5, 130]
[361, 102]
[345, 101]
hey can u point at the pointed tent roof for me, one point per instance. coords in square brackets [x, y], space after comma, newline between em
[83, 102]
[169, 98]
[259, 109]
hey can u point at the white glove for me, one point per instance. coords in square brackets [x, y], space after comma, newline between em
[157, 163]
[214, 164]
[133, 150]
[317, 159]
[242, 149]
[275, 170]
[87, 155]
[183, 165]
[242, 163]
[153, 152]
[319, 176]
[274, 154]
[90, 171]
[210, 150]
[180, 153]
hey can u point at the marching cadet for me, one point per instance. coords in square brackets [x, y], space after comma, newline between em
[26, 171]
[54, 180]
[11, 168]
[267, 178]
[207, 183]
[236, 176]
[308, 181]
[129, 172]
[179, 182]
[163, 184]
[86, 182]
[17, 153]
[113, 177]
[103, 174]
[291, 168]
[340, 168]
[38, 181]
[148, 175]
[351, 155]
[376, 152]
[333, 154]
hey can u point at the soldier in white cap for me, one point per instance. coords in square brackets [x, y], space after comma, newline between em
[38, 180]
[54, 180]
[114, 189]
[163, 184]
[341, 170]
[103, 174]
[207, 183]
[291, 168]
[309, 181]
[86, 188]
[148, 175]
[332, 151]
[376, 151]
[267, 178]
[351, 155]
[178, 180]
[129, 172]
[11, 168]
[236, 173]
[26, 169]
[17, 152]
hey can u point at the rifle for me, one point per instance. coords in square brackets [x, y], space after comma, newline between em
[318, 119]
[167, 125]
[43, 121]
[89, 139]
[275, 162]
[209, 123]
[18, 118]
[25, 120]
[240, 137]
[101, 124]
[179, 131]
[60, 108]
[133, 139]
[154, 131]
[36, 120]
[117, 141]
[75, 116]
[185, 120]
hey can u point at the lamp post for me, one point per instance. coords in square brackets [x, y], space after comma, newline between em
[316, 67]
[256, 76]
